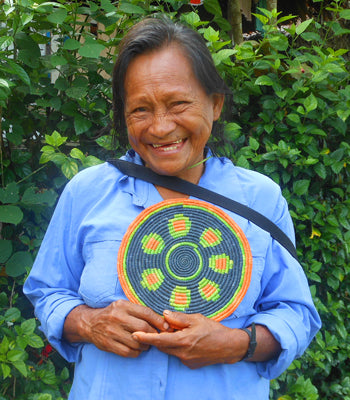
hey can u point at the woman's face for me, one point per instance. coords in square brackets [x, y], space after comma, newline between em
[168, 114]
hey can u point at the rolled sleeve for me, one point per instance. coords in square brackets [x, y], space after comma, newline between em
[52, 286]
[286, 308]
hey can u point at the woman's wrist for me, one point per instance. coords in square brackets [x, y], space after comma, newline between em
[251, 332]
[75, 326]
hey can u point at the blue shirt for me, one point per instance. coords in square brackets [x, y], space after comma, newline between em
[77, 263]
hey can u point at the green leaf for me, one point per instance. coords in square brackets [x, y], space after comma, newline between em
[33, 196]
[57, 60]
[301, 187]
[9, 194]
[222, 55]
[279, 42]
[4, 345]
[81, 124]
[15, 355]
[294, 118]
[21, 367]
[211, 35]
[57, 16]
[318, 131]
[78, 154]
[253, 143]
[91, 49]
[35, 341]
[128, 8]
[91, 161]
[71, 44]
[344, 14]
[303, 26]
[26, 18]
[242, 162]
[69, 168]
[76, 92]
[264, 80]
[48, 376]
[19, 71]
[44, 396]
[192, 19]
[320, 170]
[28, 326]
[12, 314]
[5, 250]
[5, 84]
[55, 140]
[64, 374]
[18, 263]
[106, 142]
[11, 214]
[213, 6]
[29, 51]
[6, 41]
[310, 103]
[6, 370]
[107, 6]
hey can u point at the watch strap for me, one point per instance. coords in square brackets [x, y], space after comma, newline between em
[252, 341]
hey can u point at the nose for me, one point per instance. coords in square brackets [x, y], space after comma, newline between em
[162, 124]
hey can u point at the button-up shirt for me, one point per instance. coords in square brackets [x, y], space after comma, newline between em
[77, 264]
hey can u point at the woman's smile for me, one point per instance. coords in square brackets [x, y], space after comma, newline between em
[169, 146]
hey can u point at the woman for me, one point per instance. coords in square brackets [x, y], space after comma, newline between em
[167, 94]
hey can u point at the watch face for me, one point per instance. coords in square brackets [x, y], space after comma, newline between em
[185, 255]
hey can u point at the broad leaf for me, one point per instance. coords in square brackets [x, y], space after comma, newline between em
[11, 214]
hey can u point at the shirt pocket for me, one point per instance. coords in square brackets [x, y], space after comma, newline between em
[99, 280]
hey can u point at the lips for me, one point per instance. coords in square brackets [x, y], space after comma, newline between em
[168, 146]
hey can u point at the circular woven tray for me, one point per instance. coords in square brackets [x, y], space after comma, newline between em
[186, 256]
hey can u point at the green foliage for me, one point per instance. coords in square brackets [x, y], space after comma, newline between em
[26, 368]
[289, 119]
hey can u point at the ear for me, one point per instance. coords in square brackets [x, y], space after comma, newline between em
[218, 103]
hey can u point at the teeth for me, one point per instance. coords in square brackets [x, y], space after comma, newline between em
[166, 145]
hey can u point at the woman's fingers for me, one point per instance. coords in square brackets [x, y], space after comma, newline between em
[111, 328]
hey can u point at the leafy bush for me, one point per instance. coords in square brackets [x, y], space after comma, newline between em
[289, 118]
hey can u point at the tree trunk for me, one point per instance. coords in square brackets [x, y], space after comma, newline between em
[271, 5]
[234, 17]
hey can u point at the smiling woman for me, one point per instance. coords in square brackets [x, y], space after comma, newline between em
[166, 96]
[169, 116]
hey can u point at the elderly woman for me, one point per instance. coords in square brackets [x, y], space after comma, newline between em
[167, 94]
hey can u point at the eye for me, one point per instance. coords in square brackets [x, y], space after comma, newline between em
[139, 110]
[179, 105]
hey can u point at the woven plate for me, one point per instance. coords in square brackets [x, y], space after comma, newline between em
[186, 256]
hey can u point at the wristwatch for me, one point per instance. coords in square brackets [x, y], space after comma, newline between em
[252, 341]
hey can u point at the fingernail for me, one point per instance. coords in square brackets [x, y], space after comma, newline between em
[166, 312]
[166, 326]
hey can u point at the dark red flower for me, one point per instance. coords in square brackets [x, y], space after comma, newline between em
[46, 350]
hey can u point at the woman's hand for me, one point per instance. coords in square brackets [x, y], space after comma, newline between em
[199, 341]
[111, 328]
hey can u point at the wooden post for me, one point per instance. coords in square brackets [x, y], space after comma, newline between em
[234, 17]
[271, 5]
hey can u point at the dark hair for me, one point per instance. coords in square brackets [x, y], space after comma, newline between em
[152, 34]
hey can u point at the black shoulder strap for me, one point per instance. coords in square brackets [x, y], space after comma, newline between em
[182, 186]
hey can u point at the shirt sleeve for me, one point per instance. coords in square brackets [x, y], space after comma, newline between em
[285, 304]
[52, 285]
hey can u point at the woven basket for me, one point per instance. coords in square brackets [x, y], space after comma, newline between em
[185, 255]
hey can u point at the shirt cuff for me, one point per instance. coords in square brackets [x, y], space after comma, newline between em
[54, 330]
[291, 345]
